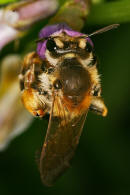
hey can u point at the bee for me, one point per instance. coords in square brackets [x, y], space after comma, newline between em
[61, 79]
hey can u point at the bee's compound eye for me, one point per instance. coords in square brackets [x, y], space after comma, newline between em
[51, 45]
[89, 47]
[57, 84]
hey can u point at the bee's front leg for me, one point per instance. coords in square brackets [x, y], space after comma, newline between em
[31, 98]
[33, 103]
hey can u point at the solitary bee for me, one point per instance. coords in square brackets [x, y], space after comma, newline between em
[61, 79]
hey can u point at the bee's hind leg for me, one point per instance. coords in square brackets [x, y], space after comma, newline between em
[97, 106]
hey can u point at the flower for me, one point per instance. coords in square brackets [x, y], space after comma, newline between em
[14, 119]
[18, 17]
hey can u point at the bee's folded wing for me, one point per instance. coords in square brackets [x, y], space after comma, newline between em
[62, 137]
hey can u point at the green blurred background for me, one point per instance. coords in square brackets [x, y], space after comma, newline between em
[102, 161]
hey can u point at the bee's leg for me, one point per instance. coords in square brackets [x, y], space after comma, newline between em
[30, 68]
[98, 106]
[31, 98]
[32, 102]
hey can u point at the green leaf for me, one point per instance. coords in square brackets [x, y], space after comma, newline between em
[7, 1]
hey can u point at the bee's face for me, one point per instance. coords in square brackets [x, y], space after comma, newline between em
[64, 46]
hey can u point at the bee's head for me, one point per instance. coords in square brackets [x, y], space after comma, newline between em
[68, 46]
[59, 39]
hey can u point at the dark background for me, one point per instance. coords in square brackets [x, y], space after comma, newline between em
[102, 161]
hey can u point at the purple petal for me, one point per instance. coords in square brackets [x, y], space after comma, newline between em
[90, 41]
[41, 49]
[49, 30]
[35, 10]
[56, 30]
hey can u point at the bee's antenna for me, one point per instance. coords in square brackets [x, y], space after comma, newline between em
[105, 29]
[41, 39]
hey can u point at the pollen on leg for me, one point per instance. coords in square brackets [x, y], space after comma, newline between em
[32, 102]
[40, 113]
[105, 111]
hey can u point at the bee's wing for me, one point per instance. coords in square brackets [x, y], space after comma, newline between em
[62, 137]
